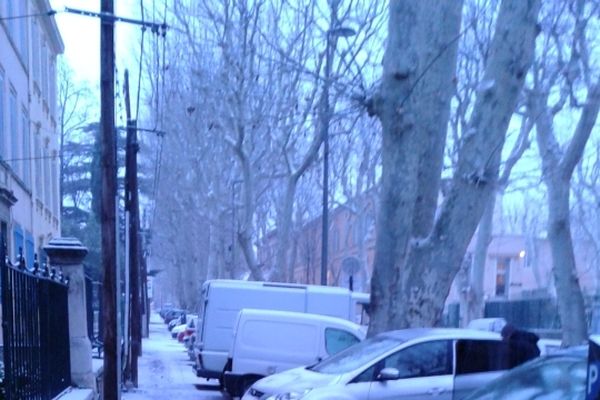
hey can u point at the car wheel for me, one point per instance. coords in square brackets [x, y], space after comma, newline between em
[246, 383]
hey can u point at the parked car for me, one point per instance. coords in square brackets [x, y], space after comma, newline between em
[268, 341]
[173, 314]
[177, 329]
[559, 375]
[164, 309]
[190, 328]
[405, 364]
[487, 324]
[549, 346]
[179, 320]
[189, 342]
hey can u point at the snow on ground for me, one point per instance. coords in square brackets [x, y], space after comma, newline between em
[165, 371]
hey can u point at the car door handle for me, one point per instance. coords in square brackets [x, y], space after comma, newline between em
[435, 391]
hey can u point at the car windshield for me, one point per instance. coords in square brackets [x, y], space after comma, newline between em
[557, 377]
[356, 356]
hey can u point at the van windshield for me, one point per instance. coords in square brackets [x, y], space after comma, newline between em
[203, 301]
[356, 356]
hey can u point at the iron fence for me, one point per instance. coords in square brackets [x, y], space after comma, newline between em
[35, 328]
[93, 299]
[526, 313]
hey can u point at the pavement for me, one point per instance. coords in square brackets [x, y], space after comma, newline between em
[165, 371]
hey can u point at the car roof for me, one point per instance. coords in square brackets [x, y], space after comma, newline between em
[439, 333]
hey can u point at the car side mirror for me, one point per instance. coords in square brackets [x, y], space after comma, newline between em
[388, 374]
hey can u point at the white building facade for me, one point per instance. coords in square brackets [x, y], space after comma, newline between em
[29, 138]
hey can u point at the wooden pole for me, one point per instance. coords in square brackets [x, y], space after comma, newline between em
[111, 387]
[132, 206]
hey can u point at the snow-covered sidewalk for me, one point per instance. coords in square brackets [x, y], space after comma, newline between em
[165, 371]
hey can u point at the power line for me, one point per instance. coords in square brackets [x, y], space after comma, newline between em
[137, 102]
[110, 17]
[45, 14]
[10, 160]
[159, 87]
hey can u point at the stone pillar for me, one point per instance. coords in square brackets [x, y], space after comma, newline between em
[68, 254]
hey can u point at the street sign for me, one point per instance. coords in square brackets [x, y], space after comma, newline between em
[593, 374]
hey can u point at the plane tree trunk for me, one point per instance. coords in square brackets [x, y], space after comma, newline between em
[416, 258]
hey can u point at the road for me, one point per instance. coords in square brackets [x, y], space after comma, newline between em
[165, 371]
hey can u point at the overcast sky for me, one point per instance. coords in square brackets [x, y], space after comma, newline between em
[81, 36]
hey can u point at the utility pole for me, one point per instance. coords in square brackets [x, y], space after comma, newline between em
[132, 207]
[332, 33]
[111, 389]
[144, 276]
[325, 118]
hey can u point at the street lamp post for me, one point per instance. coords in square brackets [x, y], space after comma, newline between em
[325, 119]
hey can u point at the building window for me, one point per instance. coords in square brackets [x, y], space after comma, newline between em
[35, 52]
[29, 250]
[44, 66]
[2, 136]
[23, 45]
[357, 231]
[336, 240]
[17, 241]
[502, 276]
[47, 177]
[26, 159]
[55, 204]
[10, 12]
[52, 87]
[38, 164]
[349, 231]
[14, 132]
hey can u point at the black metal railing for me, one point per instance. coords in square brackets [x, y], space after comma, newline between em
[35, 327]
[93, 300]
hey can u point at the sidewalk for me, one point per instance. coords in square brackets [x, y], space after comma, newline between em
[165, 371]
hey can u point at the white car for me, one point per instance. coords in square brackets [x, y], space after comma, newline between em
[487, 324]
[177, 330]
[444, 364]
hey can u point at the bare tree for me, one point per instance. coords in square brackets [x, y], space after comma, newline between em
[586, 214]
[475, 303]
[418, 256]
[263, 97]
[569, 72]
[74, 107]
[359, 14]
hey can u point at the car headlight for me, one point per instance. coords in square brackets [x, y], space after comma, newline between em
[288, 396]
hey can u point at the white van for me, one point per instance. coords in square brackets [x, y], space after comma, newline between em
[266, 342]
[222, 300]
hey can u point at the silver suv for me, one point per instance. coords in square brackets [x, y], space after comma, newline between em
[445, 364]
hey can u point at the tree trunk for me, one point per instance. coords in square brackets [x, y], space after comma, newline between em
[246, 232]
[418, 31]
[412, 277]
[558, 169]
[475, 301]
[571, 311]
[284, 223]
